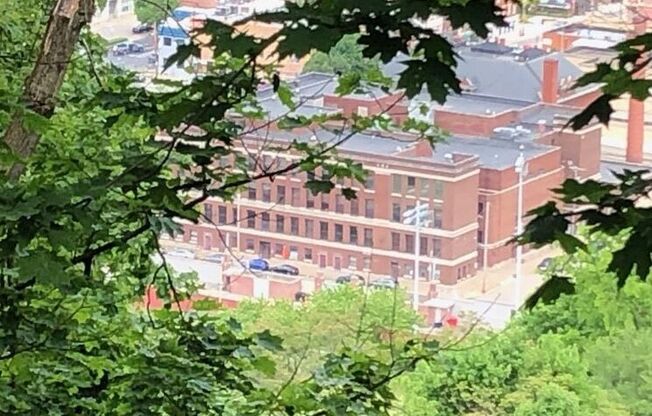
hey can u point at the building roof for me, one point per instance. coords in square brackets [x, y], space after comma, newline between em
[492, 153]
[508, 76]
[275, 109]
[172, 32]
[504, 77]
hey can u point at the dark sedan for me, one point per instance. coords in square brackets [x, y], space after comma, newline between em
[285, 269]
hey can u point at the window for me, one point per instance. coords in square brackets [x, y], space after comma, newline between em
[323, 230]
[368, 237]
[193, 236]
[353, 262]
[280, 194]
[267, 192]
[436, 247]
[234, 216]
[280, 224]
[396, 212]
[208, 212]
[264, 221]
[309, 229]
[396, 241]
[369, 208]
[251, 192]
[409, 243]
[423, 246]
[307, 254]
[324, 203]
[339, 232]
[408, 269]
[480, 236]
[278, 249]
[310, 199]
[480, 207]
[251, 219]
[369, 181]
[366, 263]
[294, 226]
[353, 235]
[439, 189]
[339, 204]
[249, 244]
[397, 184]
[221, 215]
[167, 41]
[411, 183]
[394, 269]
[354, 207]
[424, 188]
[294, 196]
[436, 217]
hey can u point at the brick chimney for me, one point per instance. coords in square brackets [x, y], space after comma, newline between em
[636, 115]
[550, 84]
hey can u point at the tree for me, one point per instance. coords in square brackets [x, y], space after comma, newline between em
[378, 323]
[345, 57]
[153, 11]
[97, 185]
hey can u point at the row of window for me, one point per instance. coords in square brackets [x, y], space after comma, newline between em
[324, 231]
[405, 243]
[422, 187]
[322, 202]
[434, 219]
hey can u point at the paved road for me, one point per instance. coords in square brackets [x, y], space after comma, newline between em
[207, 272]
[137, 62]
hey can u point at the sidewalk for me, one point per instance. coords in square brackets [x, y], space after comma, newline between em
[116, 28]
[497, 277]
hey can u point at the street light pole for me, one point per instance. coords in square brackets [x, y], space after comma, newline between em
[485, 252]
[417, 216]
[519, 167]
[417, 246]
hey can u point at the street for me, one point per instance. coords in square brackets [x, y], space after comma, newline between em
[137, 62]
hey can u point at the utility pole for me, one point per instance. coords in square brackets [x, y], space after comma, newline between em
[520, 167]
[417, 216]
[485, 251]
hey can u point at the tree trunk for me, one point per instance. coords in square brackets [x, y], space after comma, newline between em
[66, 21]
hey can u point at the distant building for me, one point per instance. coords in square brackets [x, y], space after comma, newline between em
[179, 27]
[561, 8]
[114, 9]
[513, 102]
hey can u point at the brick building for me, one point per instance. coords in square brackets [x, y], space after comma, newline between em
[468, 181]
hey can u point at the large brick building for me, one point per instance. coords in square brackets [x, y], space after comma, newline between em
[468, 181]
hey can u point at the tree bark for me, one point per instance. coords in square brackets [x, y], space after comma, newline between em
[67, 19]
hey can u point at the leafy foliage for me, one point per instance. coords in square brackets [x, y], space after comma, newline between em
[153, 11]
[344, 58]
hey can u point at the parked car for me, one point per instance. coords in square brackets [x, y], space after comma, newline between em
[125, 48]
[384, 283]
[545, 264]
[285, 269]
[215, 258]
[258, 264]
[350, 279]
[142, 28]
[181, 252]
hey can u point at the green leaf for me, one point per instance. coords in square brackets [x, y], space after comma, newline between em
[550, 291]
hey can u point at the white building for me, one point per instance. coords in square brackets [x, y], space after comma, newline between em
[176, 30]
[113, 9]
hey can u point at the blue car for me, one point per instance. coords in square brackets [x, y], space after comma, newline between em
[258, 264]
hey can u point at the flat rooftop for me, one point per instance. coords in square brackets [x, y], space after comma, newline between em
[492, 153]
